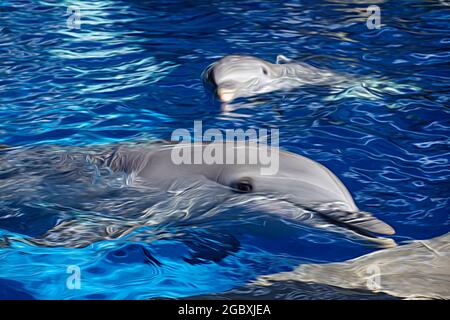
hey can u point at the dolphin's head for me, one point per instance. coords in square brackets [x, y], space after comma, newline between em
[248, 168]
[310, 186]
[239, 76]
[295, 179]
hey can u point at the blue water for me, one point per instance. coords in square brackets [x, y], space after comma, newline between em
[132, 73]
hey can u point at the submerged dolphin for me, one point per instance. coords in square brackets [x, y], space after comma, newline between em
[417, 270]
[236, 76]
[299, 181]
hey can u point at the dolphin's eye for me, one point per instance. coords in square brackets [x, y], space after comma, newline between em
[264, 70]
[244, 185]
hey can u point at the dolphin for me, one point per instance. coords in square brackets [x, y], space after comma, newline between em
[240, 76]
[299, 181]
[236, 76]
[419, 269]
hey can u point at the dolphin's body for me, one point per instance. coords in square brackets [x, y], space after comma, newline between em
[417, 270]
[299, 181]
[236, 76]
[239, 76]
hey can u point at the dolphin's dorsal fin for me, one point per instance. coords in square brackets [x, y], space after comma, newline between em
[283, 59]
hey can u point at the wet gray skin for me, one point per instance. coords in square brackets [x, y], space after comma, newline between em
[237, 76]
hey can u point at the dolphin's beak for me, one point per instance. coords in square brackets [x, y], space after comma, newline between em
[225, 95]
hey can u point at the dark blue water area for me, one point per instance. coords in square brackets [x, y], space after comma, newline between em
[132, 72]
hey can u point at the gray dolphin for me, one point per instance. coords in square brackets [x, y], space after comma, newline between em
[300, 181]
[236, 76]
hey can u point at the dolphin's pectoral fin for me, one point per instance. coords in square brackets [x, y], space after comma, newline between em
[283, 59]
[206, 247]
[360, 221]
